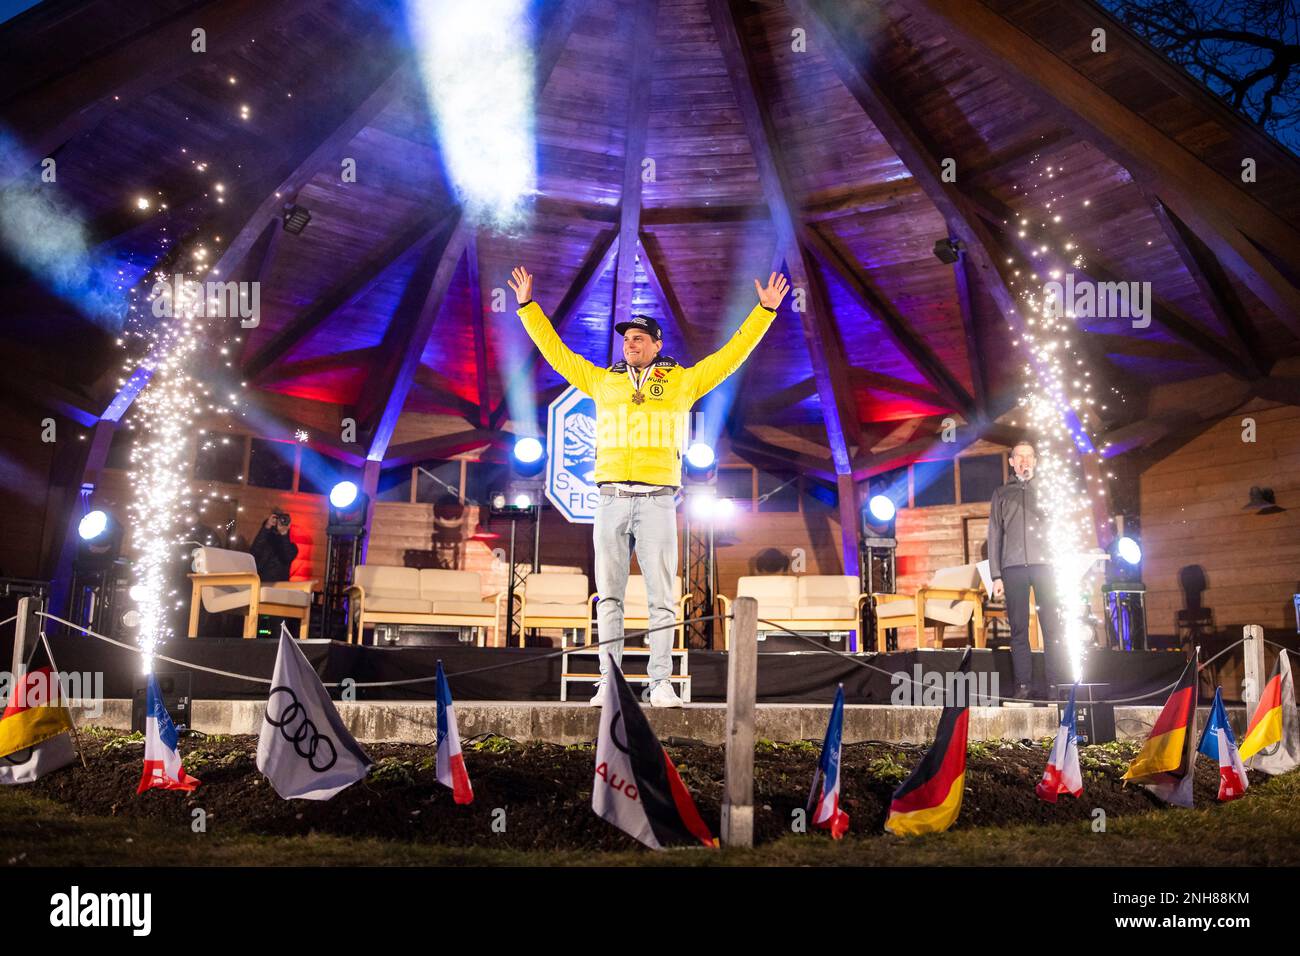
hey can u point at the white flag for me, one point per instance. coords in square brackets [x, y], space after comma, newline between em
[304, 749]
[29, 765]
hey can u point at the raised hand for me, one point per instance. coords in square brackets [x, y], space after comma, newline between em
[522, 284]
[771, 296]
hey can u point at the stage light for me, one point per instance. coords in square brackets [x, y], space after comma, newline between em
[724, 509]
[700, 455]
[498, 501]
[523, 500]
[946, 250]
[94, 524]
[343, 494]
[295, 218]
[528, 450]
[882, 508]
[1129, 550]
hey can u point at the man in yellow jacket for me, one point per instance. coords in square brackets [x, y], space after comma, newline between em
[643, 408]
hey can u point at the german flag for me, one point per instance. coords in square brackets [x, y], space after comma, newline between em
[930, 799]
[1168, 758]
[1265, 728]
[33, 714]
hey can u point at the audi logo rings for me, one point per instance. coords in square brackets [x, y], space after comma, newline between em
[305, 739]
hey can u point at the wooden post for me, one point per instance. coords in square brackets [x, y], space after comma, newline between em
[1253, 651]
[27, 631]
[742, 688]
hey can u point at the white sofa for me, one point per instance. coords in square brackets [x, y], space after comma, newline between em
[382, 594]
[226, 582]
[556, 599]
[828, 603]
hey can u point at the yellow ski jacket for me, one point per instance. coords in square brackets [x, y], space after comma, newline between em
[644, 441]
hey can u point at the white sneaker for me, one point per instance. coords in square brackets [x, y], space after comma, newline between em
[598, 698]
[664, 696]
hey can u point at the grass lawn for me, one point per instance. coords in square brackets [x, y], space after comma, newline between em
[1261, 829]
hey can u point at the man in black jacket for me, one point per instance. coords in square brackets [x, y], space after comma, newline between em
[1017, 562]
[272, 549]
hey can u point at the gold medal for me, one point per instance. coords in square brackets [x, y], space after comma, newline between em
[638, 377]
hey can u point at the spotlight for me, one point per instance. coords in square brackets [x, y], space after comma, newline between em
[100, 542]
[528, 450]
[1262, 502]
[348, 507]
[94, 524]
[511, 502]
[946, 250]
[343, 494]
[700, 456]
[523, 500]
[1129, 551]
[882, 508]
[724, 509]
[295, 218]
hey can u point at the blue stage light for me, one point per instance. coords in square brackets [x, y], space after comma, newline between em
[882, 508]
[1129, 551]
[92, 525]
[528, 450]
[343, 494]
[700, 455]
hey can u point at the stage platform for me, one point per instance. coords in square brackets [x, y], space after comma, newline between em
[533, 674]
[573, 723]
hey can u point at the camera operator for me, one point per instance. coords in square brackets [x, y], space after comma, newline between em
[272, 549]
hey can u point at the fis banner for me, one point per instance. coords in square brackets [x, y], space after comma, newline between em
[304, 749]
[636, 786]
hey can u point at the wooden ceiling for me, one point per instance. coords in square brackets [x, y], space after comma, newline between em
[824, 159]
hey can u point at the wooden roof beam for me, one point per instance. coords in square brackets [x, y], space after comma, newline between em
[408, 334]
[839, 411]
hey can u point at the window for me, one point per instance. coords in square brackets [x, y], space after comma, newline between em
[980, 477]
[220, 458]
[933, 483]
[394, 484]
[892, 484]
[435, 480]
[738, 485]
[781, 489]
[270, 464]
[482, 478]
[318, 473]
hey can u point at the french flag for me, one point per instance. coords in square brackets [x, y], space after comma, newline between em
[1218, 743]
[162, 761]
[827, 815]
[450, 762]
[1062, 774]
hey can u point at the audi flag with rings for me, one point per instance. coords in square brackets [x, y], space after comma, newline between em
[304, 749]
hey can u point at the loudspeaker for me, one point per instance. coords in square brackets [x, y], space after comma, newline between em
[175, 687]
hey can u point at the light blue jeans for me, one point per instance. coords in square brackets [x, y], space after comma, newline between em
[648, 526]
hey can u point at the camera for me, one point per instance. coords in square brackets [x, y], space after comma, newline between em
[282, 519]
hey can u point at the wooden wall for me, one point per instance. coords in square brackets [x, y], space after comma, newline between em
[1191, 507]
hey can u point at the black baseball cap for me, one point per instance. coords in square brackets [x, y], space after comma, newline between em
[643, 322]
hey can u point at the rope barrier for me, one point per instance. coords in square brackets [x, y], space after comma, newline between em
[893, 675]
[392, 683]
